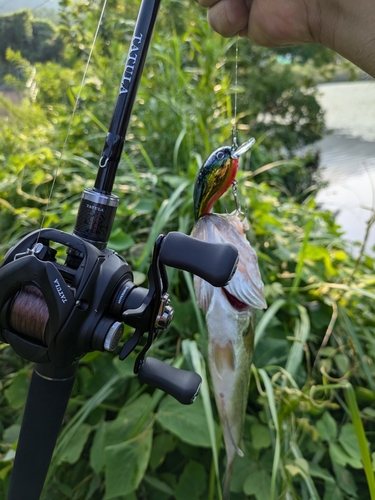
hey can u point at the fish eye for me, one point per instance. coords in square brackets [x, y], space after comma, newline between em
[220, 155]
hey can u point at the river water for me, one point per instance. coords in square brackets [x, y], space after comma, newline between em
[348, 156]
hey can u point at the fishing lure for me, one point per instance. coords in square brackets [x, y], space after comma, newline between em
[229, 310]
[216, 175]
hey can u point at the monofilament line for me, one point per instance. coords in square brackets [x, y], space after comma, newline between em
[234, 120]
[73, 114]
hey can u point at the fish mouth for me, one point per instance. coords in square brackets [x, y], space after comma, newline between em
[236, 153]
[234, 302]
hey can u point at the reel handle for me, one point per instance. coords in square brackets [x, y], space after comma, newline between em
[181, 384]
[214, 262]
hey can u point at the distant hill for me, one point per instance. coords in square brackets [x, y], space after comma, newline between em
[7, 6]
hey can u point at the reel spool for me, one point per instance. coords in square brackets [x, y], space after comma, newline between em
[29, 313]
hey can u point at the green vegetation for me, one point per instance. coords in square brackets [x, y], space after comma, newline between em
[311, 416]
[36, 39]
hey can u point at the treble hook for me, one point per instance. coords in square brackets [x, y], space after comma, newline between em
[235, 196]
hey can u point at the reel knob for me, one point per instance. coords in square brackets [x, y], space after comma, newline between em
[113, 337]
[181, 384]
[214, 262]
[107, 335]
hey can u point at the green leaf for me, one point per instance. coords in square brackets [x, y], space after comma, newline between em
[301, 334]
[327, 427]
[126, 464]
[348, 441]
[97, 459]
[70, 429]
[293, 469]
[192, 482]
[317, 471]
[316, 253]
[161, 446]
[266, 319]
[332, 492]
[94, 486]
[343, 363]
[191, 351]
[260, 436]
[73, 450]
[340, 457]
[242, 466]
[125, 367]
[258, 484]
[187, 422]
[11, 434]
[277, 447]
[158, 485]
[118, 430]
[120, 241]
[16, 394]
[361, 438]
[4, 471]
[344, 479]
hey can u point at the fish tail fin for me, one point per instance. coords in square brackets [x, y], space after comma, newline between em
[232, 449]
[227, 479]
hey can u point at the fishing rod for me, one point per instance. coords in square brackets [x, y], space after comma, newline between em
[52, 313]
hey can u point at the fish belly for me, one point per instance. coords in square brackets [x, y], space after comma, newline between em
[230, 348]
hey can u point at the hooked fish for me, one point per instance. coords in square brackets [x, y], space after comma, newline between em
[229, 310]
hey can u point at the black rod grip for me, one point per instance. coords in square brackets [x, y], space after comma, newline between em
[48, 396]
[181, 384]
[214, 262]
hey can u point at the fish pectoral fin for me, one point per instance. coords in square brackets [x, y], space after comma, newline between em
[224, 358]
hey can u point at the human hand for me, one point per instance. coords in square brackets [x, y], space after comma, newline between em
[269, 23]
[342, 25]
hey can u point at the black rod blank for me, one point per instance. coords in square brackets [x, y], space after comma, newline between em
[115, 139]
[48, 396]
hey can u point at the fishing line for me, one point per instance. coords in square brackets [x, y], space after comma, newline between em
[29, 313]
[41, 5]
[234, 120]
[72, 116]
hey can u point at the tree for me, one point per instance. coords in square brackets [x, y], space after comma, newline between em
[36, 40]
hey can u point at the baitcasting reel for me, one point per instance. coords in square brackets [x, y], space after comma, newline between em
[53, 312]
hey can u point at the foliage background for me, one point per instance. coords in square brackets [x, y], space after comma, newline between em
[310, 415]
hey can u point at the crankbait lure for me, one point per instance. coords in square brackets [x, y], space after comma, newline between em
[216, 175]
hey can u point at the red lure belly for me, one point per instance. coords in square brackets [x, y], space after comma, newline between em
[214, 178]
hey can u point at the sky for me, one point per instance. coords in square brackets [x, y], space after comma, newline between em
[7, 6]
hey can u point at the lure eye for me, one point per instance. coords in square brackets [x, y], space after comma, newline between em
[220, 155]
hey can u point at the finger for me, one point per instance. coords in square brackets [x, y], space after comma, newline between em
[207, 3]
[228, 17]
